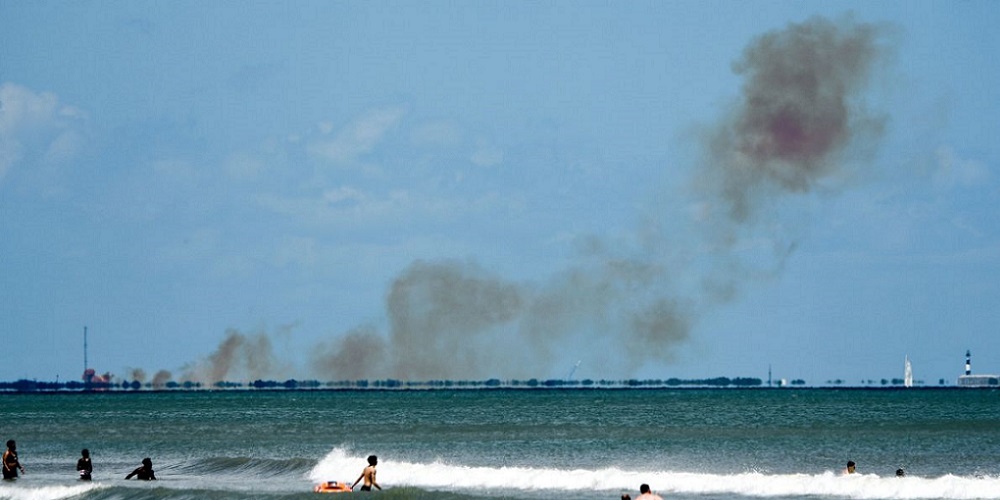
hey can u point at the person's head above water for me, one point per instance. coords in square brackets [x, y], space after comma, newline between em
[644, 488]
[850, 466]
[900, 472]
[147, 462]
[372, 460]
[11, 444]
[85, 452]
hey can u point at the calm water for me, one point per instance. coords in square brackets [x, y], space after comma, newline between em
[585, 444]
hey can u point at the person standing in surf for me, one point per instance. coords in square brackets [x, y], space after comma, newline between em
[83, 465]
[10, 462]
[368, 474]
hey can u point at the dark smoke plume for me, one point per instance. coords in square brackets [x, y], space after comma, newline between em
[622, 303]
[357, 355]
[800, 112]
[161, 378]
[137, 374]
[238, 357]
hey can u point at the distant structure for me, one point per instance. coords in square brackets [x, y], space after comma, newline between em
[573, 371]
[970, 380]
[907, 373]
[88, 373]
[90, 376]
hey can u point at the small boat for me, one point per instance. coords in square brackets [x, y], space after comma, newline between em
[332, 487]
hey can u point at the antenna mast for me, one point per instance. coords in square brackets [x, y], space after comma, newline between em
[85, 364]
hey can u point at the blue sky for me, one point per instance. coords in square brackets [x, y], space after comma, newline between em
[487, 189]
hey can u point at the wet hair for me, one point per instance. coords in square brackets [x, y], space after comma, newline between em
[147, 462]
[900, 472]
[850, 463]
[372, 460]
[11, 444]
[85, 452]
[644, 488]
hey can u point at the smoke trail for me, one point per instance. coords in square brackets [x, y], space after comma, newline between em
[799, 120]
[161, 378]
[239, 356]
[800, 111]
[799, 115]
[439, 310]
[360, 354]
[137, 374]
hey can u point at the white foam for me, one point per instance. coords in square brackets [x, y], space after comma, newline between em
[340, 465]
[21, 491]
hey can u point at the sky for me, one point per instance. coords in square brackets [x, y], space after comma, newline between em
[423, 190]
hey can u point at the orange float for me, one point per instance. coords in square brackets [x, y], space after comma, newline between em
[332, 487]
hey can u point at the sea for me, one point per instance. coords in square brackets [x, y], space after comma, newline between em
[588, 444]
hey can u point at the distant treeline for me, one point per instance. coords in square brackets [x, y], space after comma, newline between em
[387, 384]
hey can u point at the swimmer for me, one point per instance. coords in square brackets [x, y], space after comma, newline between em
[646, 494]
[900, 472]
[145, 472]
[83, 465]
[850, 467]
[10, 462]
[368, 474]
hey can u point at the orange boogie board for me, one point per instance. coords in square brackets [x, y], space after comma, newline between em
[332, 487]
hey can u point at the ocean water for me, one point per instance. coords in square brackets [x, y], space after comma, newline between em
[515, 444]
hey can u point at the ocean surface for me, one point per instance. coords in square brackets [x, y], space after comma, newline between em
[517, 444]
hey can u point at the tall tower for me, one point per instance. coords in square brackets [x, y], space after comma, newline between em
[907, 372]
[88, 374]
[968, 363]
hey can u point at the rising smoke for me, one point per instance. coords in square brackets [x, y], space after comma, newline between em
[799, 119]
[799, 114]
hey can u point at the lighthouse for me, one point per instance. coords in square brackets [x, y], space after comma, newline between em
[970, 380]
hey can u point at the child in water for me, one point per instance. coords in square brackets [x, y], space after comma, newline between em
[368, 475]
[145, 472]
[10, 463]
[83, 465]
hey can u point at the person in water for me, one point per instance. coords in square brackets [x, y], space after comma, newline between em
[646, 494]
[368, 475]
[850, 467]
[145, 472]
[900, 472]
[83, 465]
[10, 462]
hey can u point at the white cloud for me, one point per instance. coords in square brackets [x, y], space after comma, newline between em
[439, 133]
[953, 171]
[297, 250]
[35, 123]
[244, 166]
[352, 207]
[358, 138]
[486, 155]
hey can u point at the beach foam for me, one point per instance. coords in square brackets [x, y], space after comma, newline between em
[341, 465]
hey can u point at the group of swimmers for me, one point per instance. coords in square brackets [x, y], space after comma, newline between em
[84, 467]
[646, 494]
